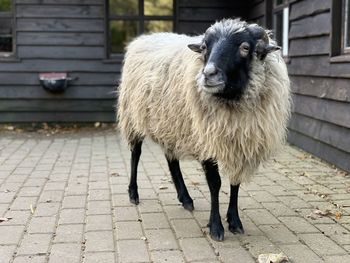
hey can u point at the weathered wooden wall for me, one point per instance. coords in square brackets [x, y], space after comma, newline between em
[194, 16]
[59, 35]
[320, 122]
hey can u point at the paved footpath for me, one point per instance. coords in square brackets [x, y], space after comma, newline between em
[66, 197]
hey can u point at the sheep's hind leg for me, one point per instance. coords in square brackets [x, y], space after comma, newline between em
[214, 182]
[135, 157]
[234, 222]
[182, 193]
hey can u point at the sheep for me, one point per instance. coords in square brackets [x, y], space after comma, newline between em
[222, 98]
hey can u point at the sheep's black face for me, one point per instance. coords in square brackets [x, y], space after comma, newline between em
[227, 56]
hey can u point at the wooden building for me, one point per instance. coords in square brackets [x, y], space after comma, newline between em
[85, 39]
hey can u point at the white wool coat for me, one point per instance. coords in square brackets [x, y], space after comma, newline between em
[159, 98]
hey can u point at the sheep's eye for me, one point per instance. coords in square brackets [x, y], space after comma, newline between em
[203, 47]
[245, 47]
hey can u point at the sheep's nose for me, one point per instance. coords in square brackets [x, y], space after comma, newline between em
[210, 70]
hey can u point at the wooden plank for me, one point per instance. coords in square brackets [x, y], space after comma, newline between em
[326, 88]
[334, 135]
[61, 25]
[193, 28]
[57, 116]
[211, 3]
[309, 46]
[56, 105]
[44, 65]
[318, 66]
[61, 2]
[257, 11]
[64, 11]
[326, 110]
[207, 14]
[60, 52]
[54, 38]
[80, 78]
[302, 9]
[72, 92]
[321, 150]
[311, 26]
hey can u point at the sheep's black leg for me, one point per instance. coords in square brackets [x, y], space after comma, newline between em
[214, 182]
[135, 157]
[234, 222]
[182, 193]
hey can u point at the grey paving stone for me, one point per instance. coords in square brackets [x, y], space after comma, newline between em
[99, 241]
[154, 221]
[197, 249]
[65, 253]
[279, 234]
[185, 228]
[42, 225]
[99, 208]
[34, 244]
[10, 234]
[6, 253]
[129, 230]
[167, 256]
[298, 253]
[161, 239]
[29, 259]
[298, 225]
[69, 233]
[98, 222]
[321, 244]
[261, 217]
[72, 216]
[101, 257]
[337, 259]
[127, 250]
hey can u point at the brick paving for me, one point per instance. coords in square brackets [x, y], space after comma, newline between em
[66, 195]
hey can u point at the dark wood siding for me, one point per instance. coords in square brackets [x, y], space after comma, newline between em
[320, 122]
[195, 16]
[62, 36]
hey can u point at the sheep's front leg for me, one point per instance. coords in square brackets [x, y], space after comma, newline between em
[213, 178]
[182, 193]
[234, 222]
[135, 157]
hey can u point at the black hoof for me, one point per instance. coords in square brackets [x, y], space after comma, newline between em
[188, 206]
[216, 231]
[236, 230]
[187, 203]
[134, 196]
[235, 225]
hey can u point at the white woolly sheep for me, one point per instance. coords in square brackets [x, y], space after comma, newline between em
[226, 104]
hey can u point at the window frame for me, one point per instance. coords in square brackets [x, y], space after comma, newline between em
[338, 53]
[285, 10]
[140, 18]
[4, 56]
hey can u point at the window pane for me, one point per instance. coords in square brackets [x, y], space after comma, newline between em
[121, 32]
[5, 43]
[5, 5]
[278, 27]
[158, 7]
[123, 7]
[347, 24]
[5, 26]
[158, 26]
[279, 2]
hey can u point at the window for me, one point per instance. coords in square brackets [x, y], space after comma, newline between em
[346, 27]
[128, 18]
[340, 36]
[6, 29]
[280, 22]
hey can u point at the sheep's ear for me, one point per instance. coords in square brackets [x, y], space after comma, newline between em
[262, 49]
[195, 47]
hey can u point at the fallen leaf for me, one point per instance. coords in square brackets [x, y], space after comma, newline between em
[272, 258]
[195, 183]
[325, 212]
[143, 238]
[48, 201]
[338, 215]
[114, 174]
[5, 219]
[163, 187]
[97, 124]
[31, 209]
[164, 179]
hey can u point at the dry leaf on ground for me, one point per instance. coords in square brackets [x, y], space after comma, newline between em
[5, 219]
[272, 258]
[163, 187]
